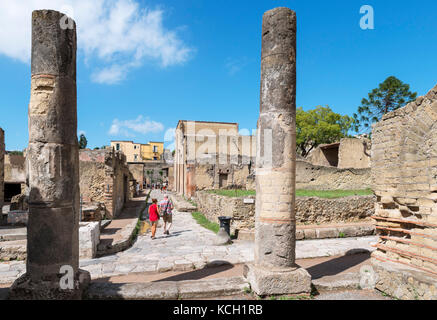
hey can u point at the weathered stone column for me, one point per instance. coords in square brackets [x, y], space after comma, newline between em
[274, 270]
[53, 160]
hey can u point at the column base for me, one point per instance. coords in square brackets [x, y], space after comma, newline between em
[265, 281]
[25, 289]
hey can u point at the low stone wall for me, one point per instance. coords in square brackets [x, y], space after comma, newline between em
[214, 206]
[309, 210]
[312, 177]
[313, 210]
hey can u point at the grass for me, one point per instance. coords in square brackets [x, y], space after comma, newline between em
[234, 193]
[332, 194]
[327, 194]
[204, 222]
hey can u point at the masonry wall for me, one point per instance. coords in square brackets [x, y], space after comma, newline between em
[312, 177]
[2, 155]
[15, 168]
[309, 210]
[105, 178]
[404, 172]
[137, 170]
[354, 153]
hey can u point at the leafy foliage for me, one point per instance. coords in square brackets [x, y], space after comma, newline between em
[318, 126]
[82, 141]
[392, 94]
[18, 153]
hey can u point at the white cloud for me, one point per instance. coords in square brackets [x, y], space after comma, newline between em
[118, 34]
[235, 65]
[170, 134]
[141, 125]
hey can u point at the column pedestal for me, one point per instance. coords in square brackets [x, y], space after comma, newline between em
[267, 281]
[49, 289]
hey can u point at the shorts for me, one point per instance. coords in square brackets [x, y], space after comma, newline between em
[167, 218]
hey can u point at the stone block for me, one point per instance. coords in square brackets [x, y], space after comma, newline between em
[89, 238]
[265, 281]
[18, 217]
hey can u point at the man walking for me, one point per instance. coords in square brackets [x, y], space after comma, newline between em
[166, 210]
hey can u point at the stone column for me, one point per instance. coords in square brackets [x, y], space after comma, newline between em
[53, 159]
[274, 270]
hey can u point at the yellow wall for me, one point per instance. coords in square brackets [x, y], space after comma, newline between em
[130, 149]
[136, 152]
[147, 150]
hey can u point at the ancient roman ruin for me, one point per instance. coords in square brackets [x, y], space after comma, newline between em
[212, 155]
[105, 181]
[53, 228]
[404, 162]
[76, 216]
[274, 270]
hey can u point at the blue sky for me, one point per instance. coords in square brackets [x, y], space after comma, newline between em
[200, 60]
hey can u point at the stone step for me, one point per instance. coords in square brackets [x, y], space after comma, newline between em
[13, 237]
[162, 290]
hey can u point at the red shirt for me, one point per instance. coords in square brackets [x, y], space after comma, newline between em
[153, 212]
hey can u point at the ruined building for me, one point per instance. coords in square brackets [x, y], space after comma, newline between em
[348, 153]
[404, 172]
[105, 178]
[212, 155]
[15, 175]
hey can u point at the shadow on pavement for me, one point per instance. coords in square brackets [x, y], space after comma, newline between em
[201, 273]
[337, 265]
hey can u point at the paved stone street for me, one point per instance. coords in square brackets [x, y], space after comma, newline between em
[189, 246]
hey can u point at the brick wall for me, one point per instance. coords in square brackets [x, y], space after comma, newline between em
[404, 174]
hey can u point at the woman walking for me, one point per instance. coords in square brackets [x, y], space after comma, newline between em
[154, 216]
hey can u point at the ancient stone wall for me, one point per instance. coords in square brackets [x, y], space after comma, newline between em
[404, 173]
[216, 176]
[313, 177]
[15, 168]
[309, 210]
[325, 155]
[354, 153]
[137, 171]
[214, 206]
[105, 178]
[313, 210]
[2, 155]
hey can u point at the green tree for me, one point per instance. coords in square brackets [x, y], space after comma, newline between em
[82, 141]
[318, 126]
[392, 94]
